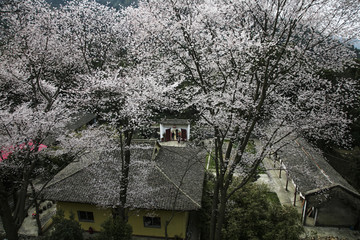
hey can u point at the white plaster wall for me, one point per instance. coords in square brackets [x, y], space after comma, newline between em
[163, 128]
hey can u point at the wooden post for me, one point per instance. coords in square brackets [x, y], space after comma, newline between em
[287, 182]
[295, 196]
[280, 169]
[275, 158]
[316, 216]
[303, 215]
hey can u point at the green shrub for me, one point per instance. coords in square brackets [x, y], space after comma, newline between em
[65, 229]
[115, 229]
[253, 213]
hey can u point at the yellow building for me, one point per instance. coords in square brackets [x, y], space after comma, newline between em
[165, 186]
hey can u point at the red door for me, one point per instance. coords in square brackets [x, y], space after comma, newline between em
[167, 135]
[183, 134]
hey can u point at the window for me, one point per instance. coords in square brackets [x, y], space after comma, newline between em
[152, 222]
[85, 216]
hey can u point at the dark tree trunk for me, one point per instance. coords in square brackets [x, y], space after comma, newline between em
[37, 208]
[124, 180]
[124, 185]
[214, 210]
[222, 185]
[218, 185]
[166, 230]
[19, 212]
[13, 218]
[37, 217]
[10, 226]
[221, 214]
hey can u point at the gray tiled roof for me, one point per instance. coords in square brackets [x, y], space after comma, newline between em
[173, 181]
[309, 169]
[175, 121]
[177, 178]
[80, 120]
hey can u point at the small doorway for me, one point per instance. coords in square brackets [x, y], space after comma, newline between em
[183, 134]
[167, 135]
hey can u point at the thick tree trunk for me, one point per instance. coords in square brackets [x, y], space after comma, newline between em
[37, 216]
[19, 212]
[37, 208]
[221, 214]
[214, 210]
[10, 227]
[166, 230]
[14, 198]
[219, 184]
[124, 185]
[124, 180]
[13, 218]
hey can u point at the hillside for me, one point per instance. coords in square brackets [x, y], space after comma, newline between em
[111, 3]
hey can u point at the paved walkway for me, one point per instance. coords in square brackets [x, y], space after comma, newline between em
[278, 185]
[173, 144]
[29, 226]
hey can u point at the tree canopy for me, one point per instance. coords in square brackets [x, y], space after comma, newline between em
[251, 68]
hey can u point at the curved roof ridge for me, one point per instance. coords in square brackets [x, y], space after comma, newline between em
[309, 168]
[316, 190]
[311, 157]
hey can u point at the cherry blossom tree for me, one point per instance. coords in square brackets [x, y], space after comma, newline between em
[37, 61]
[250, 68]
[95, 33]
[127, 102]
[76, 53]
[122, 97]
[37, 67]
[25, 157]
[106, 84]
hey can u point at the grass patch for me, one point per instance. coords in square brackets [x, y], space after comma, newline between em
[261, 169]
[210, 157]
[250, 147]
[273, 198]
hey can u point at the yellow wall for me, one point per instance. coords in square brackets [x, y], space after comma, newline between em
[177, 226]
[100, 214]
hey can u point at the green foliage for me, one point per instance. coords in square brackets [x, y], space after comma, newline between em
[210, 158]
[250, 147]
[65, 229]
[115, 229]
[254, 213]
